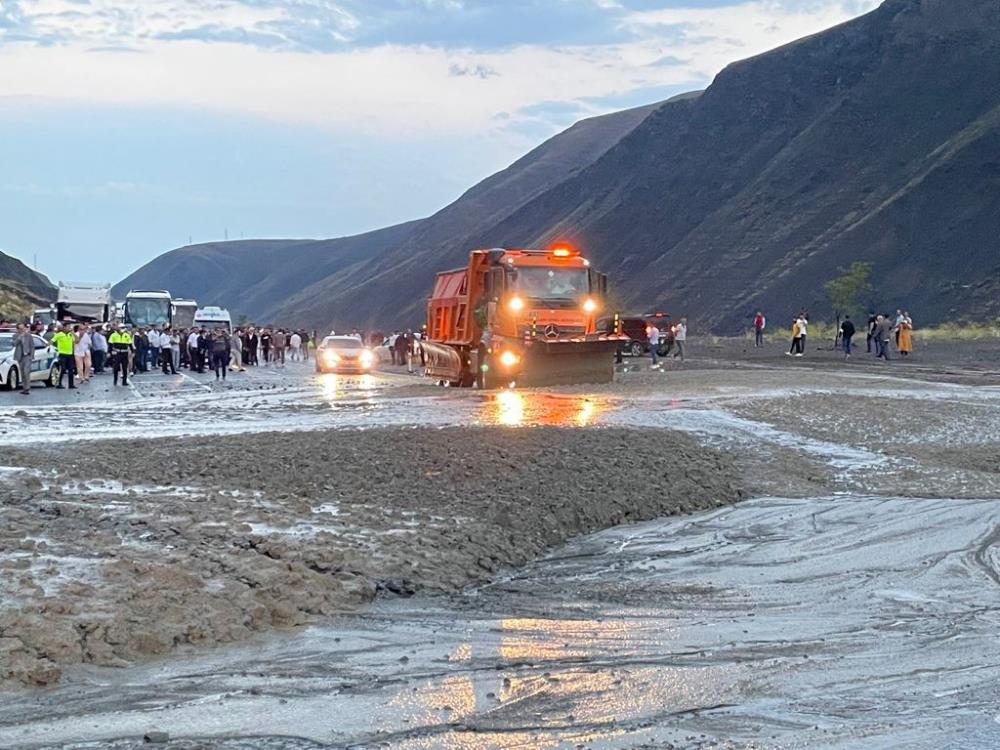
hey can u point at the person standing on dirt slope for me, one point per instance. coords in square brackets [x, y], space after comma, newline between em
[904, 339]
[24, 355]
[236, 351]
[680, 336]
[204, 350]
[391, 345]
[81, 348]
[846, 332]
[63, 341]
[120, 342]
[883, 337]
[399, 347]
[900, 317]
[278, 345]
[139, 360]
[653, 334]
[166, 353]
[99, 350]
[759, 323]
[872, 327]
[175, 338]
[295, 344]
[220, 353]
[795, 338]
[266, 340]
[192, 349]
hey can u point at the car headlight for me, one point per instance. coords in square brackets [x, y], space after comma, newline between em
[367, 359]
[509, 359]
[331, 358]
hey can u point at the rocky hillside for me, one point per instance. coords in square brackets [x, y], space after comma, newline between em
[877, 140]
[21, 289]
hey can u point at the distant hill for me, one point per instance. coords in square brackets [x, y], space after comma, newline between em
[21, 289]
[878, 140]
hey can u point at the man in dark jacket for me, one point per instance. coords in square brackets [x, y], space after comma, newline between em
[250, 342]
[24, 355]
[140, 343]
[220, 353]
[846, 332]
[872, 326]
[204, 349]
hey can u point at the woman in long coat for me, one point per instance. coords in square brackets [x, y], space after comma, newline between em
[905, 337]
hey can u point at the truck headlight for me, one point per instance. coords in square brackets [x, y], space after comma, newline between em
[590, 305]
[516, 304]
[509, 359]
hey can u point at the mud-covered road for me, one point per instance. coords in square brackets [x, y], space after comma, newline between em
[852, 602]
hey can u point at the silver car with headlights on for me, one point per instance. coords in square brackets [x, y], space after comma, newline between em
[344, 354]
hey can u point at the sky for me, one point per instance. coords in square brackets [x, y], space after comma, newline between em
[131, 127]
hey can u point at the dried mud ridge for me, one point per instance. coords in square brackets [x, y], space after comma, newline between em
[272, 530]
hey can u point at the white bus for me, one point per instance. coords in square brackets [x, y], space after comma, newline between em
[184, 312]
[145, 308]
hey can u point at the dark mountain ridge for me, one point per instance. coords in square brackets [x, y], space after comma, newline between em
[22, 289]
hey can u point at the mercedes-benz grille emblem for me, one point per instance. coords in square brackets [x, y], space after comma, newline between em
[551, 331]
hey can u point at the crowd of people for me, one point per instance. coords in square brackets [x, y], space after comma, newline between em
[883, 333]
[84, 350]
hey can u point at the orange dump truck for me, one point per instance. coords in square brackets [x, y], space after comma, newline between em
[516, 316]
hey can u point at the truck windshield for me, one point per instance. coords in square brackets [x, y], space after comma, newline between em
[552, 283]
[81, 311]
[147, 312]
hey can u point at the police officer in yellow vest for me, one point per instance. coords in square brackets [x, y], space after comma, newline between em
[63, 340]
[120, 343]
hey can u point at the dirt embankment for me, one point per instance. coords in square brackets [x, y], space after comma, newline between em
[245, 534]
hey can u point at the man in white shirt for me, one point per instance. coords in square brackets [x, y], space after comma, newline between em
[166, 353]
[192, 345]
[295, 342]
[654, 342]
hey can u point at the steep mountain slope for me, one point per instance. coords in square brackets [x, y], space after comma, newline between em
[304, 280]
[875, 140]
[21, 289]
[878, 140]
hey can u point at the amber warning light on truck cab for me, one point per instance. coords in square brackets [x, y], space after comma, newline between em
[563, 251]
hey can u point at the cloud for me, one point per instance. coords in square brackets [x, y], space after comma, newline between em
[395, 67]
[479, 71]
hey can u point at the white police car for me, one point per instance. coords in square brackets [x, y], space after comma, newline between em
[44, 366]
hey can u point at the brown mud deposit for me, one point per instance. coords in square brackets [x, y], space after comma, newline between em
[244, 534]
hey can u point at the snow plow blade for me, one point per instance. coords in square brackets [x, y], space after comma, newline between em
[567, 363]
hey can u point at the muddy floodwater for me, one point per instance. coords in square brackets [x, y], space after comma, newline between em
[853, 601]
